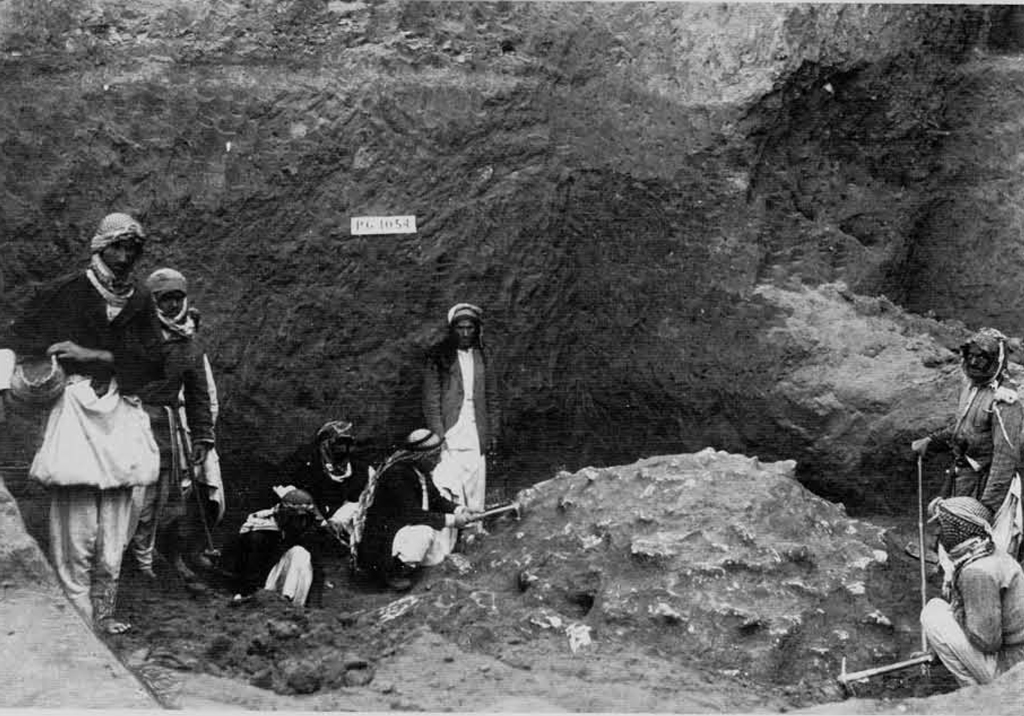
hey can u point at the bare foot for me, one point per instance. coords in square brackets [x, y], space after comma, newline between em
[114, 627]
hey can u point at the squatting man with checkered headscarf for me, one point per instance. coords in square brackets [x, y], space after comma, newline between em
[977, 627]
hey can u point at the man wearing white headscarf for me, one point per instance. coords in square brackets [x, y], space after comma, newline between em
[461, 404]
[401, 522]
[98, 446]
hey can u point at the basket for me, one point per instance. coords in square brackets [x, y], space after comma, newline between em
[38, 381]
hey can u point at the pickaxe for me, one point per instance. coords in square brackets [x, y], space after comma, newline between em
[846, 678]
[500, 510]
[924, 657]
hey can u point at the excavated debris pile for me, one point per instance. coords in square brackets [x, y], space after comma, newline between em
[709, 580]
[716, 559]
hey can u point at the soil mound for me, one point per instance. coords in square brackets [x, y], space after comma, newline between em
[681, 570]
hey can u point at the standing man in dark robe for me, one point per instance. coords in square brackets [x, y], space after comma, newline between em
[102, 329]
[985, 437]
[165, 506]
[461, 405]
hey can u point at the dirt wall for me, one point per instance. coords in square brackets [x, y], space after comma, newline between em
[609, 181]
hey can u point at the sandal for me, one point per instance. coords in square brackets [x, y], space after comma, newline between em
[240, 599]
[113, 627]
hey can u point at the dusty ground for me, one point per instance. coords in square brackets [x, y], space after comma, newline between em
[470, 636]
[603, 201]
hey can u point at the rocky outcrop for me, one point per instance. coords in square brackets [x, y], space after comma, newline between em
[863, 379]
[713, 560]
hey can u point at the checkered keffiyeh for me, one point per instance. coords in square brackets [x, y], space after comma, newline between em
[963, 518]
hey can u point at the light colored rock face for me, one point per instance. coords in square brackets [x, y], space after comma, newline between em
[865, 379]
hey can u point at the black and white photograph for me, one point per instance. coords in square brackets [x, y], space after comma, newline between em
[511, 356]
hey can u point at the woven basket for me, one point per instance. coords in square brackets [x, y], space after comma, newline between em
[38, 382]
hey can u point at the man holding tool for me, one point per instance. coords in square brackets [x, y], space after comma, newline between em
[187, 380]
[403, 522]
[985, 438]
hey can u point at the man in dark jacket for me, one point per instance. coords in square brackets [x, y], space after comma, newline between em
[163, 506]
[460, 404]
[985, 436]
[331, 471]
[402, 518]
[102, 328]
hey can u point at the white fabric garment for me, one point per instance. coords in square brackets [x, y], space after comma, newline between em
[209, 472]
[463, 435]
[462, 471]
[88, 534]
[292, 575]
[948, 640]
[102, 441]
[212, 387]
[142, 527]
[422, 545]
[1008, 523]
[462, 476]
[7, 360]
[210, 476]
[344, 516]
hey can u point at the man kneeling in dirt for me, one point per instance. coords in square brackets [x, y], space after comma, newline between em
[331, 471]
[977, 628]
[281, 548]
[400, 524]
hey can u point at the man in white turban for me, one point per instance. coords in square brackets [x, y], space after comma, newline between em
[461, 404]
[102, 330]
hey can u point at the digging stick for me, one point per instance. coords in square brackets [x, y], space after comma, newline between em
[211, 551]
[920, 551]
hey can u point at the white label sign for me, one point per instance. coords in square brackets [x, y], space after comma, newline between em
[383, 225]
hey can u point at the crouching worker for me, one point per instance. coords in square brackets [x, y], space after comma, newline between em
[330, 470]
[400, 523]
[281, 548]
[977, 629]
